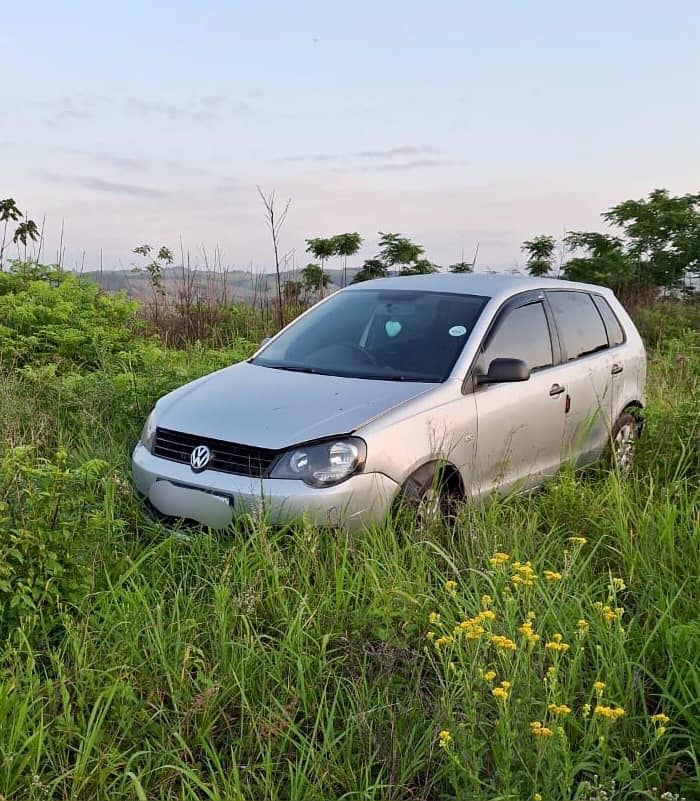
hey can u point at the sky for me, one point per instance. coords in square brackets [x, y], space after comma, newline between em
[455, 123]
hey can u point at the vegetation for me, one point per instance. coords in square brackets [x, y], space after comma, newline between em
[541, 647]
[659, 246]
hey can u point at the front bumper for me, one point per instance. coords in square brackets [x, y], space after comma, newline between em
[214, 499]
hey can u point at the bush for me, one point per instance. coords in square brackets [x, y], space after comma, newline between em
[49, 515]
[47, 314]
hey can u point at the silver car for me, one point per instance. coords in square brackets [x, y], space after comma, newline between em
[488, 383]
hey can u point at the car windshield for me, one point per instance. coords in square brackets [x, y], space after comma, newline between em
[398, 335]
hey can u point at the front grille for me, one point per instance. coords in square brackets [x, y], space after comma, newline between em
[227, 457]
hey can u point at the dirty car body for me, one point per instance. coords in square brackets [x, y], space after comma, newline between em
[494, 380]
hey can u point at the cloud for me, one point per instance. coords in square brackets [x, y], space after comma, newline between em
[80, 106]
[198, 110]
[107, 187]
[120, 162]
[110, 187]
[202, 110]
[401, 151]
[405, 166]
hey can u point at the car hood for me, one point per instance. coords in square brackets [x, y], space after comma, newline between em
[269, 408]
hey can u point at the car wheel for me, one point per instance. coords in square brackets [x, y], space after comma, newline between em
[432, 494]
[625, 434]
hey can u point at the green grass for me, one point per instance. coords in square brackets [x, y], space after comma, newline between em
[142, 663]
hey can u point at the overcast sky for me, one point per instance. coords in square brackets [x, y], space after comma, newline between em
[455, 123]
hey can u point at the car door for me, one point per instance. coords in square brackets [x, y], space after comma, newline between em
[521, 424]
[586, 372]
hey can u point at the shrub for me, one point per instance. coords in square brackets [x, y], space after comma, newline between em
[47, 314]
[49, 515]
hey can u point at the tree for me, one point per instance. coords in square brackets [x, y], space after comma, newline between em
[663, 236]
[540, 252]
[321, 249]
[398, 251]
[314, 279]
[461, 267]
[420, 267]
[372, 268]
[605, 261]
[9, 212]
[275, 220]
[346, 245]
[292, 290]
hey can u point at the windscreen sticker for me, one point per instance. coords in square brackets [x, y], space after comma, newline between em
[457, 331]
[392, 328]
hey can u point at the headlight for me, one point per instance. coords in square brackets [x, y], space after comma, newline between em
[324, 463]
[149, 432]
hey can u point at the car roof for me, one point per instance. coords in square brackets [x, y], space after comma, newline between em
[485, 284]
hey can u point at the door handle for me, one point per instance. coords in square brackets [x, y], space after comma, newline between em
[617, 368]
[556, 389]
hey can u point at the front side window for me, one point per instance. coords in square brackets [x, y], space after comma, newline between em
[523, 333]
[579, 322]
[397, 335]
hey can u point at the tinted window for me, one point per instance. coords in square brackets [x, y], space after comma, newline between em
[579, 323]
[398, 335]
[522, 334]
[612, 324]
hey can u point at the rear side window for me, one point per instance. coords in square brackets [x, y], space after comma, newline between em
[579, 322]
[523, 333]
[616, 335]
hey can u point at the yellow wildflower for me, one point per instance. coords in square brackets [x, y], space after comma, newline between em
[500, 693]
[523, 574]
[552, 575]
[586, 709]
[445, 640]
[582, 626]
[528, 632]
[486, 614]
[599, 686]
[539, 730]
[577, 540]
[661, 718]
[490, 675]
[470, 629]
[536, 797]
[660, 731]
[503, 642]
[499, 558]
[444, 738]
[486, 601]
[430, 636]
[619, 584]
[559, 710]
[551, 670]
[556, 644]
[530, 616]
[609, 712]
[608, 613]
[451, 586]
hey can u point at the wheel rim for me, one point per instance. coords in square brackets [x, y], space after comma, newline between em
[430, 507]
[624, 447]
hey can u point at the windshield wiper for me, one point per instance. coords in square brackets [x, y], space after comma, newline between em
[292, 368]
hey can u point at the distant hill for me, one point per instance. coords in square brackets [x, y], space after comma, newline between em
[234, 285]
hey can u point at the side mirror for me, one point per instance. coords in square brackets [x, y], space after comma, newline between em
[502, 371]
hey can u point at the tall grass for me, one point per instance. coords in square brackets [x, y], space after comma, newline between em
[145, 663]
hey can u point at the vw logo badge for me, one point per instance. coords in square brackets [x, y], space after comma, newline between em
[200, 458]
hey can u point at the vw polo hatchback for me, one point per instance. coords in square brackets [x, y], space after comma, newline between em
[490, 383]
